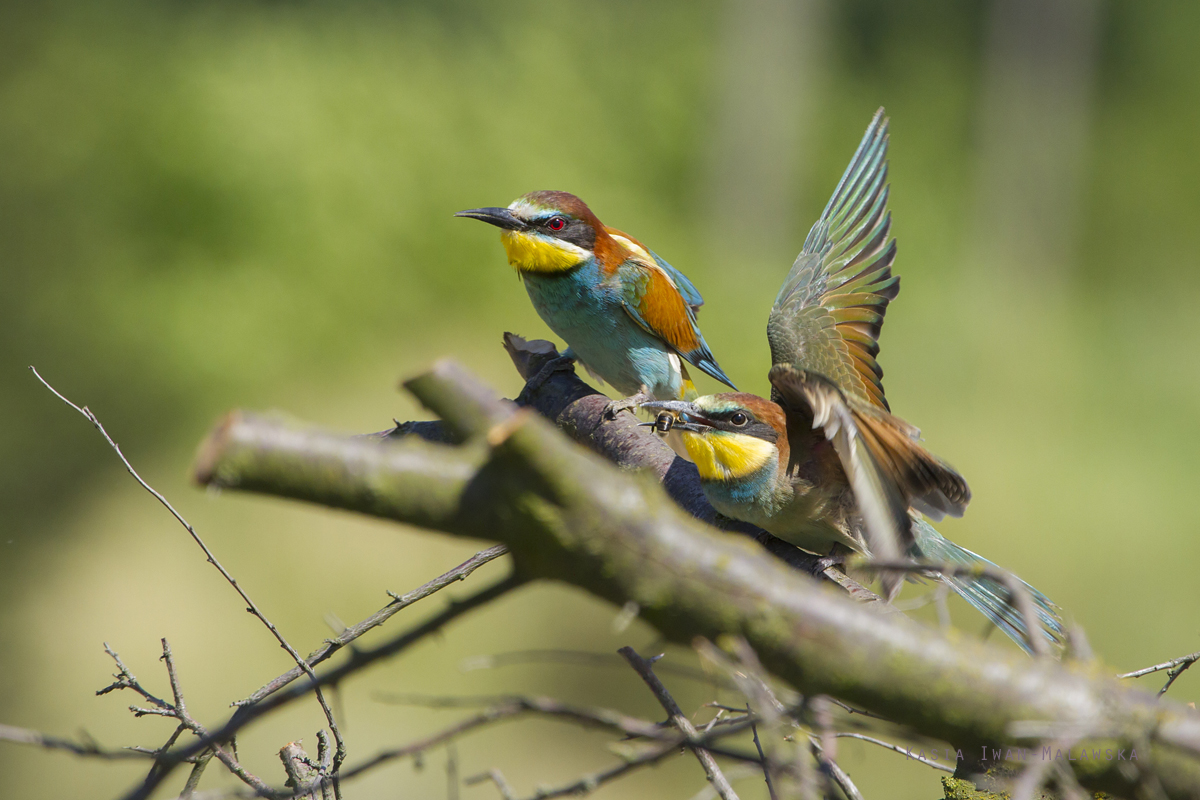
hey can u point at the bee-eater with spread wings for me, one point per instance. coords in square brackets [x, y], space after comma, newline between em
[626, 314]
[824, 463]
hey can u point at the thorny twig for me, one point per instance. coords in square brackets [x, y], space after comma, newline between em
[679, 720]
[212, 559]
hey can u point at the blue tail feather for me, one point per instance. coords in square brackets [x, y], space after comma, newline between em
[986, 595]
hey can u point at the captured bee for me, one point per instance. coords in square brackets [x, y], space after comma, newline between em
[663, 423]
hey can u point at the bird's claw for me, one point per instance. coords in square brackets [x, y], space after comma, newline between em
[835, 558]
[627, 403]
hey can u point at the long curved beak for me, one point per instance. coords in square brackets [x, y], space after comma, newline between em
[500, 217]
[687, 416]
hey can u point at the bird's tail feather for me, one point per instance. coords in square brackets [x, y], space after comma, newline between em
[989, 596]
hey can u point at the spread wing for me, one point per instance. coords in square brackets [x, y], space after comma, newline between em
[886, 467]
[656, 303]
[685, 287]
[829, 311]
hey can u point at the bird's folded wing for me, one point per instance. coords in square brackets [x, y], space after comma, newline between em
[653, 300]
[829, 311]
[690, 293]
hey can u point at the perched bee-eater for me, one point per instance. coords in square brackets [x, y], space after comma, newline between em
[824, 464]
[628, 316]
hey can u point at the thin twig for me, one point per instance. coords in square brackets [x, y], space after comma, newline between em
[766, 771]
[358, 660]
[785, 762]
[178, 711]
[193, 779]
[1068, 784]
[680, 721]
[451, 771]
[1177, 667]
[825, 746]
[504, 706]
[1173, 674]
[835, 772]
[496, 777]
[331, 646]
[667, 743]
[584, 658]
[591, 782]
[735, 773]
[1034, 775]
[212, 559]
[11, 733]
[895, 748]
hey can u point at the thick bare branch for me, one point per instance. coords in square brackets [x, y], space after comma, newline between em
[579, 411]
[568, 515]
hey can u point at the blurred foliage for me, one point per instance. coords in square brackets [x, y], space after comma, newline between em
[210, 205]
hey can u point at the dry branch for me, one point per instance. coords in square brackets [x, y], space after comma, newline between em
[578, 410]
[251, 606]
[569, 516]
[712, 770]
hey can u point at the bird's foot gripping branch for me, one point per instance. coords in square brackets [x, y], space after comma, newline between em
[569, 515]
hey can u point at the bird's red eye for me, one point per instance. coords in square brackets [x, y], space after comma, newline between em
[556, 224]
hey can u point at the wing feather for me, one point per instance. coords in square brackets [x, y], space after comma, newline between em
[654, 301]
[689, 292]
[830, 309]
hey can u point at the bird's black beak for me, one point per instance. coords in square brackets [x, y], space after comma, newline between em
[686, 417]
[500, 217]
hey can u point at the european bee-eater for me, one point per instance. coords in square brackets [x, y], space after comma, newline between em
[628, 316]
[824, 462]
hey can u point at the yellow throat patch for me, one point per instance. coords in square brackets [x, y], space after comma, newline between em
[532, 253]
[723, 456]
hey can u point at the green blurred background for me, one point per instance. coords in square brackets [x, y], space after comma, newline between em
[210, 205]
